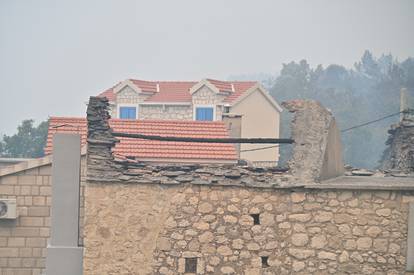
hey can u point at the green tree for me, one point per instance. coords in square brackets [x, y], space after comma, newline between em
[27, 143]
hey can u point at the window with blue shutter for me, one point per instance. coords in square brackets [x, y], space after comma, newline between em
[204, 113]
[128, 112]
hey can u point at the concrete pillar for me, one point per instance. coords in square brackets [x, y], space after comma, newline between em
[64, 257]
[410, 239]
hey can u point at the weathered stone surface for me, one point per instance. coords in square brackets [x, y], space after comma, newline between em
[298, 266]
[373, 231]
[206, 237]
[299, 239]
[319, 241]
[300, 217]
[364, 243]
[344, 257]
[398, 154]
[298, 197]
[291, 240]
[323, 216]
[383, 212]
[205, 208]
[327, 255]
[227, 270]
[308, 160]
[301, 253]
[224, 250]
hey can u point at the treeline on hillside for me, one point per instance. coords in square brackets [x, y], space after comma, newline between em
[364, 93]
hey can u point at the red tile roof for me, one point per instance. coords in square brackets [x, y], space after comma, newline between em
[179, 91]
[172, 91]
[150, 149]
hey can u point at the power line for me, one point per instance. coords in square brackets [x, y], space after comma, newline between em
[344, 130]
[373, 121]
[257, 149]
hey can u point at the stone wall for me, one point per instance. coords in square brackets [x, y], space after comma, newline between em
[166, 112]
[399, 154]
[23, 241]
[152, 229]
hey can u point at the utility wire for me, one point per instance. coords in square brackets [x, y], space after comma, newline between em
[257, 149]
[374, 121]
[344, 130]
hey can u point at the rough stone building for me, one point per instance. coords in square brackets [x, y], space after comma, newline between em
[142, 218]
[207, 99]
[215, 219]
[399, 155]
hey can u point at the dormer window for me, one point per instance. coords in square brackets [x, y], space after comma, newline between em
[204, 113]
[128, 112]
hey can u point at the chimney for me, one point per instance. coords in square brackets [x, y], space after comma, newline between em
[233, 124]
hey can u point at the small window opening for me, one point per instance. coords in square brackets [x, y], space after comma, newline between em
[264, 261]
[256, 218]
[190, 265]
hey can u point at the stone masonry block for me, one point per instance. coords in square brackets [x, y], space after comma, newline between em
[31, 221]
[39, 211]
[27, 180]
[45, 191]
[25, 231]
[8, 252]
[8, 180]
[39, 200]
[6, 190]
[36, 242]
[16, 242]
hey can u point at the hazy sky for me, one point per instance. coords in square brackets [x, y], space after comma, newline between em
[54, 54]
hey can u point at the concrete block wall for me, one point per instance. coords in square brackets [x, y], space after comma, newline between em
[23, 241]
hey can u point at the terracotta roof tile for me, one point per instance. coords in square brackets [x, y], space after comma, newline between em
[139, 148]
[179, 91]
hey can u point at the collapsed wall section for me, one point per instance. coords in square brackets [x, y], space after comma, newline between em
[315, 138]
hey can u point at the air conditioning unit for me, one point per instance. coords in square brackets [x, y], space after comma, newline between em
[8, 209]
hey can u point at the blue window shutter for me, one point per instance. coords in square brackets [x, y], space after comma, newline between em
[132, 113]
[127, 112]
[209, 114]
[204, 113]
[199, 114]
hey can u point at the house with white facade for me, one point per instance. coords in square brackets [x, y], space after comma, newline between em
[205, 100]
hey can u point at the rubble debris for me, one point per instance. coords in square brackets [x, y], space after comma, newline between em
[362, 172]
